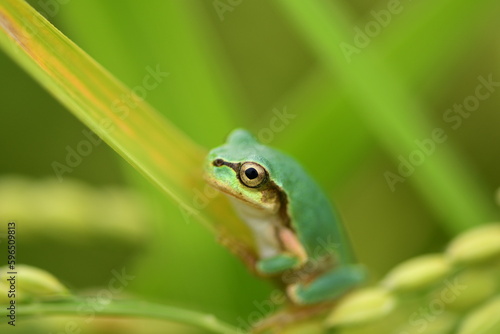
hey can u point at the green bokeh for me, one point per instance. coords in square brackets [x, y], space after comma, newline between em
[242, 71]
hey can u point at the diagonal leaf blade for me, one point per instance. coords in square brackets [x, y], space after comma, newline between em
[150, 143]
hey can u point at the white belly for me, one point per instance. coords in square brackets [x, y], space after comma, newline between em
[263, 225]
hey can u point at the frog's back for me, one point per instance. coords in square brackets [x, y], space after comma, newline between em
[313, 216]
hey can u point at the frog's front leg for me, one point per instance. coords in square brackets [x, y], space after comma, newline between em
[278, 263]
[327, 286]
[292, 257]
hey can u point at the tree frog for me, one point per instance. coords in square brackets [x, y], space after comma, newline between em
[298, 237]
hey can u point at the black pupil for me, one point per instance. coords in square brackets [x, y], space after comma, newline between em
[251, 173]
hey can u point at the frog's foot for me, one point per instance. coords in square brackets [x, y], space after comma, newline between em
[279, 263]
[328, 286]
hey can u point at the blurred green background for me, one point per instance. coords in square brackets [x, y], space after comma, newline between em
[241, 64]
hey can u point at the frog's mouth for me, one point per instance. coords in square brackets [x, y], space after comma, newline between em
[223, 176]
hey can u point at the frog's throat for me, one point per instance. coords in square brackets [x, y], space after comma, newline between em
[271, 228]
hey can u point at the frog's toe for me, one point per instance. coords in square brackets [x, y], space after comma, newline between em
[278, 264]
[328, 286]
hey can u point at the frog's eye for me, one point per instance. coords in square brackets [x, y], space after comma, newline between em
[252, 175]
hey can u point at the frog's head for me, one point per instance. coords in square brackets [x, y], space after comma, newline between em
[241, 169]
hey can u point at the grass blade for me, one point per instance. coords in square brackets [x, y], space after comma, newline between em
[131, 309]
[135, 130]
[393, 114]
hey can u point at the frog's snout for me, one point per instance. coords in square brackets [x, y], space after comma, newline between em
[218, 162]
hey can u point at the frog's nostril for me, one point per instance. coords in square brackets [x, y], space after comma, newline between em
[218, 162]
